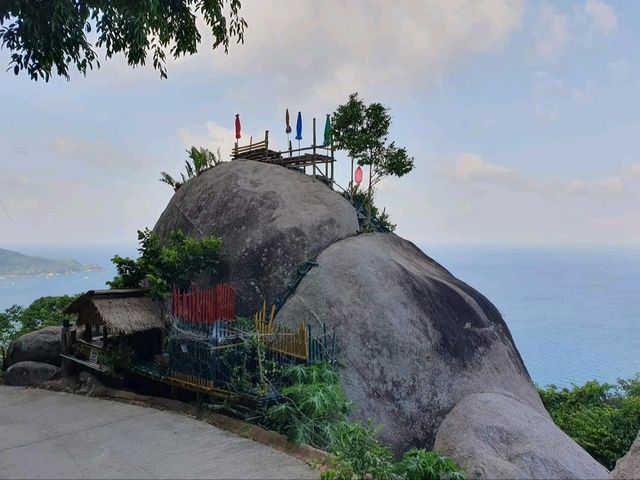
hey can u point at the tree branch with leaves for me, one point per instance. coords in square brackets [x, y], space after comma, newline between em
[363, 131]
[45, 38]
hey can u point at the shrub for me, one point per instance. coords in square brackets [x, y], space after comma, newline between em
[604, 419]
[420, 464]
[358, 454]
[314, 403]
[162, 266]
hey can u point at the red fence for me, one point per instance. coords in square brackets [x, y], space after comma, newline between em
[205, 306]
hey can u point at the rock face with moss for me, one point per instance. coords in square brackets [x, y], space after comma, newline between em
[413, 340]
[270, 221]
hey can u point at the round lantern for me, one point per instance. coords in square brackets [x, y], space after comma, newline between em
[357, 176]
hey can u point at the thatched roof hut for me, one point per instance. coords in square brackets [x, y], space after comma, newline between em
[121, 311]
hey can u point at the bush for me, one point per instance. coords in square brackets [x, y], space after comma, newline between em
[359, 456]
[162, 266]
[419, 464]
[314, 403]
[604, 419]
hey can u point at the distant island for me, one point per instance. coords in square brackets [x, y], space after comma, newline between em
[15, 263]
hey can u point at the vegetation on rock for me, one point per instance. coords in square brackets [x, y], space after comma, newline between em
[161, 266]
[363, 131]
[602, 418]
[201, 159]
[47, 40]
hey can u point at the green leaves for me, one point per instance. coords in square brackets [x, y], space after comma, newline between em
[47, 40]
[163, 265]
[603, 418]
[362, 130]
[201, 159]
[314, 403]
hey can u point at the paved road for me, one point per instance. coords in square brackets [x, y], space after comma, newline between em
[46, 434]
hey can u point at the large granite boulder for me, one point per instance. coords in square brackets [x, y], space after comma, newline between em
[30, 373]
[494, 436]
[270, 219]
[38, 346]
[628, 467]
[413, 339]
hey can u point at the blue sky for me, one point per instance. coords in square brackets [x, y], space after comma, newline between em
[522, 117]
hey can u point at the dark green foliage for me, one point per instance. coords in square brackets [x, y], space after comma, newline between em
[201, 159]
[43, 312]
[604, 419]
[314, 403]
[358, 455]
[45, 38]
[162, 266]
[420, 464]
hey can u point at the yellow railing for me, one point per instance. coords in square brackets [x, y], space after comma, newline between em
[281, 339]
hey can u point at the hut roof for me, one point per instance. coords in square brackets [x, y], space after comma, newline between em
[122, 311]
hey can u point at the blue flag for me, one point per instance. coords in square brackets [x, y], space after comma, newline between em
[299, 127]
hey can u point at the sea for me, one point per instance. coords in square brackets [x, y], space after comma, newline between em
[574, 312]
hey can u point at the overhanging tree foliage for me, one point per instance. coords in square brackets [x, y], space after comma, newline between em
[363, 131]
[47, 37]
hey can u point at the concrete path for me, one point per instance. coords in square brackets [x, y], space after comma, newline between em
[45, 434]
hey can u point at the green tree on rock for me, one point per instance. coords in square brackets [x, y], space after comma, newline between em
[46, 37]
[363, 131]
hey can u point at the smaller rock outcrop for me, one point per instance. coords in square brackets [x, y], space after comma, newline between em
[30, 373]
[494, 436]
[39, 346]
[628, 467]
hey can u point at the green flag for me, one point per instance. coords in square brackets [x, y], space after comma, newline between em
[327, 131]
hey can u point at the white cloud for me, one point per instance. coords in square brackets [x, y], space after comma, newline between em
[213, 136]
[471, 167]
[602, 17]
[551, 33]
[333, 47]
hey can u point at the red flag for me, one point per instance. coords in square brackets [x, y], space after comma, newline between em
[286, 121]
[237, 126]
[358, 175]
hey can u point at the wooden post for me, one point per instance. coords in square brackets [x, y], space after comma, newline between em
[64, 347]
[332, 161]
[104, 337]
[314, 149]
[266, 139]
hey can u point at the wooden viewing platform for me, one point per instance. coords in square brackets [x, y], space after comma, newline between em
[296, 159]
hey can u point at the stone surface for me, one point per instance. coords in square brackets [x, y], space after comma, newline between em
[45, 434]
[39, 346]
[413, 339]
[628, 467]
[30, 373]
[494, 436]
[270, 219]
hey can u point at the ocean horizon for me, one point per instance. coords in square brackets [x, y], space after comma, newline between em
[574, 313]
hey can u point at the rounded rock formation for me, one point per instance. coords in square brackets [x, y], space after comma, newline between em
[494, 436]
[413, 339]
[30, 373]
[270, 220]
[38, 346]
